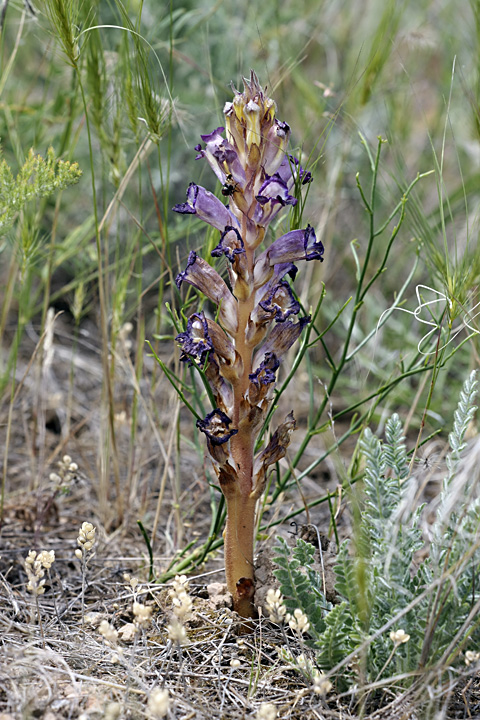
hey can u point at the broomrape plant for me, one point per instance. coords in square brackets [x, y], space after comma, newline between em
[241, 350]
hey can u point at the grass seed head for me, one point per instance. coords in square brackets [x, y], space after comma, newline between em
[67, 473]
[178, 584]
[132, 581]
[321, 684]
[182, 606]
[46, 558]
[113, 711]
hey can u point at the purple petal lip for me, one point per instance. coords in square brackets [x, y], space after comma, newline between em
[195, 341]
[281, 302]
[265, 373]
[182, 275]
[291, 169]
[224, 155]
[306, 177]
[188, 207]
[228, 246]
[275, 189]
[294, 245]
[313, 248]
[282, 269]
[216, 427]
[214, 135]
[209, 208]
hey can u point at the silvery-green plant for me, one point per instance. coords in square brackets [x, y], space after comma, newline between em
[241, 350]
[396, 615]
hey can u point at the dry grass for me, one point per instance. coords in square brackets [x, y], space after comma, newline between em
[54, 661]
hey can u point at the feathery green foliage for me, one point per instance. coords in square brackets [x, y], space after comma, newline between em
[38, 177]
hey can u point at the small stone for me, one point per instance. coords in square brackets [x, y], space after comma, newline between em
[127, 632]
[218, 596]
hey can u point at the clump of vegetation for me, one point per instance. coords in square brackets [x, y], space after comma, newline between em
[396, 617]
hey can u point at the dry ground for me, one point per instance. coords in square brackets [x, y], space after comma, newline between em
[54, 663]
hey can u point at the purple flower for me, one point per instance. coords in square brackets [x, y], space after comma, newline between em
[272, 277]
[195, 341]
[222, 157]
[209, 208]
[275, 147]
[265, 373]
[230, 245]
[280, 302]
[294, 245]
[281, 338]
[291, 171]
[261, 389]
[277, 304]
[272, 197]
[203, 277]
[216, 427]
[222, 390]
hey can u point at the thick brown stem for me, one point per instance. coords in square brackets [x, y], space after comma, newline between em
[239, 542]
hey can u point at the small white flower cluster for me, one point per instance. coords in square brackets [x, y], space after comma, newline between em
[86, 539]
[182, 605]
[109, 634]
[275, 605]
[46, 558]
[123, 333]
[158, 703]
[298, 622]
[142, 615]
[321, 685]
[132, 581]
[67, 472]
[266, 711]
[112, 711]
[35, 566]
[277, 612]
[471, 657]
[399, 637]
